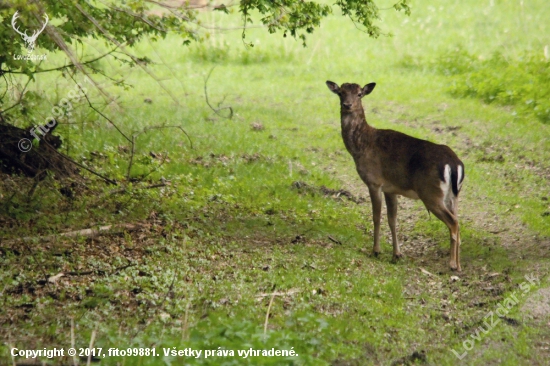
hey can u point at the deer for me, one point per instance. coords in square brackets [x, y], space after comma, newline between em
[396, 164]
[30, 41]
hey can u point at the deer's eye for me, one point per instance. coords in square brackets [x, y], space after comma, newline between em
[359, 95]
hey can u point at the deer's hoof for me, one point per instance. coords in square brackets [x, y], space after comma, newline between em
[397, 257]
[455, 266]
[376, 254]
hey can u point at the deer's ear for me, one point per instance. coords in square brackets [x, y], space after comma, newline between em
[367, 89]
[333, 87]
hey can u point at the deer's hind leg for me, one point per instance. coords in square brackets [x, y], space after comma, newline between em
[452, 206]
[451, 220]
[441, 201]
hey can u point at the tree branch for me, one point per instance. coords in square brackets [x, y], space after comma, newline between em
[138, 62]
[216, 110]
[20, 96]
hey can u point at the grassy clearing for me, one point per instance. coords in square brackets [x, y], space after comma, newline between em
[232, 228]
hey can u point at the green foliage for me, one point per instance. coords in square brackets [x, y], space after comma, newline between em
[118, 24]
[287, 15]
[365, 12]
[523, 82]
[122, 24]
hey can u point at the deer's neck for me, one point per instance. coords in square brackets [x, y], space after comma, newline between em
[356, 132]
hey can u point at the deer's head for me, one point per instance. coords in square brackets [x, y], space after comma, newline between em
[350, 94]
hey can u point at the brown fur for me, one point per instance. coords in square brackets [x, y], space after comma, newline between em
[393, 163]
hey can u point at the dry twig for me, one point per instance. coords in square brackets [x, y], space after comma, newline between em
[216, 110]
[267, 312]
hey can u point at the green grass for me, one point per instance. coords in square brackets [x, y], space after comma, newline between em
[231, 228]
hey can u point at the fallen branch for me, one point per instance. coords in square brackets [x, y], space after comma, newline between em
[55, 278]
[88, 233]
[278, 293]
[427, 272]
[118, 269]
[334, 193]
[498, 231]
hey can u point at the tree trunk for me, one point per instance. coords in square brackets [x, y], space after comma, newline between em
[18, 154]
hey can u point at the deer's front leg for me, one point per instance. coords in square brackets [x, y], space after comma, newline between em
[376, 212]
[391, 203]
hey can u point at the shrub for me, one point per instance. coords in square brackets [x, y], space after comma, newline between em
[523, 82]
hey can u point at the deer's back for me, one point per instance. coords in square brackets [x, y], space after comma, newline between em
[401, 162]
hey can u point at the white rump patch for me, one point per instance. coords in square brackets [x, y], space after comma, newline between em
[446, 186]
[459, 179]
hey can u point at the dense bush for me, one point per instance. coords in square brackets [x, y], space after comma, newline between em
[523, 82]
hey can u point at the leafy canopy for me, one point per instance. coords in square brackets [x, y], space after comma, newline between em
[121, 24]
